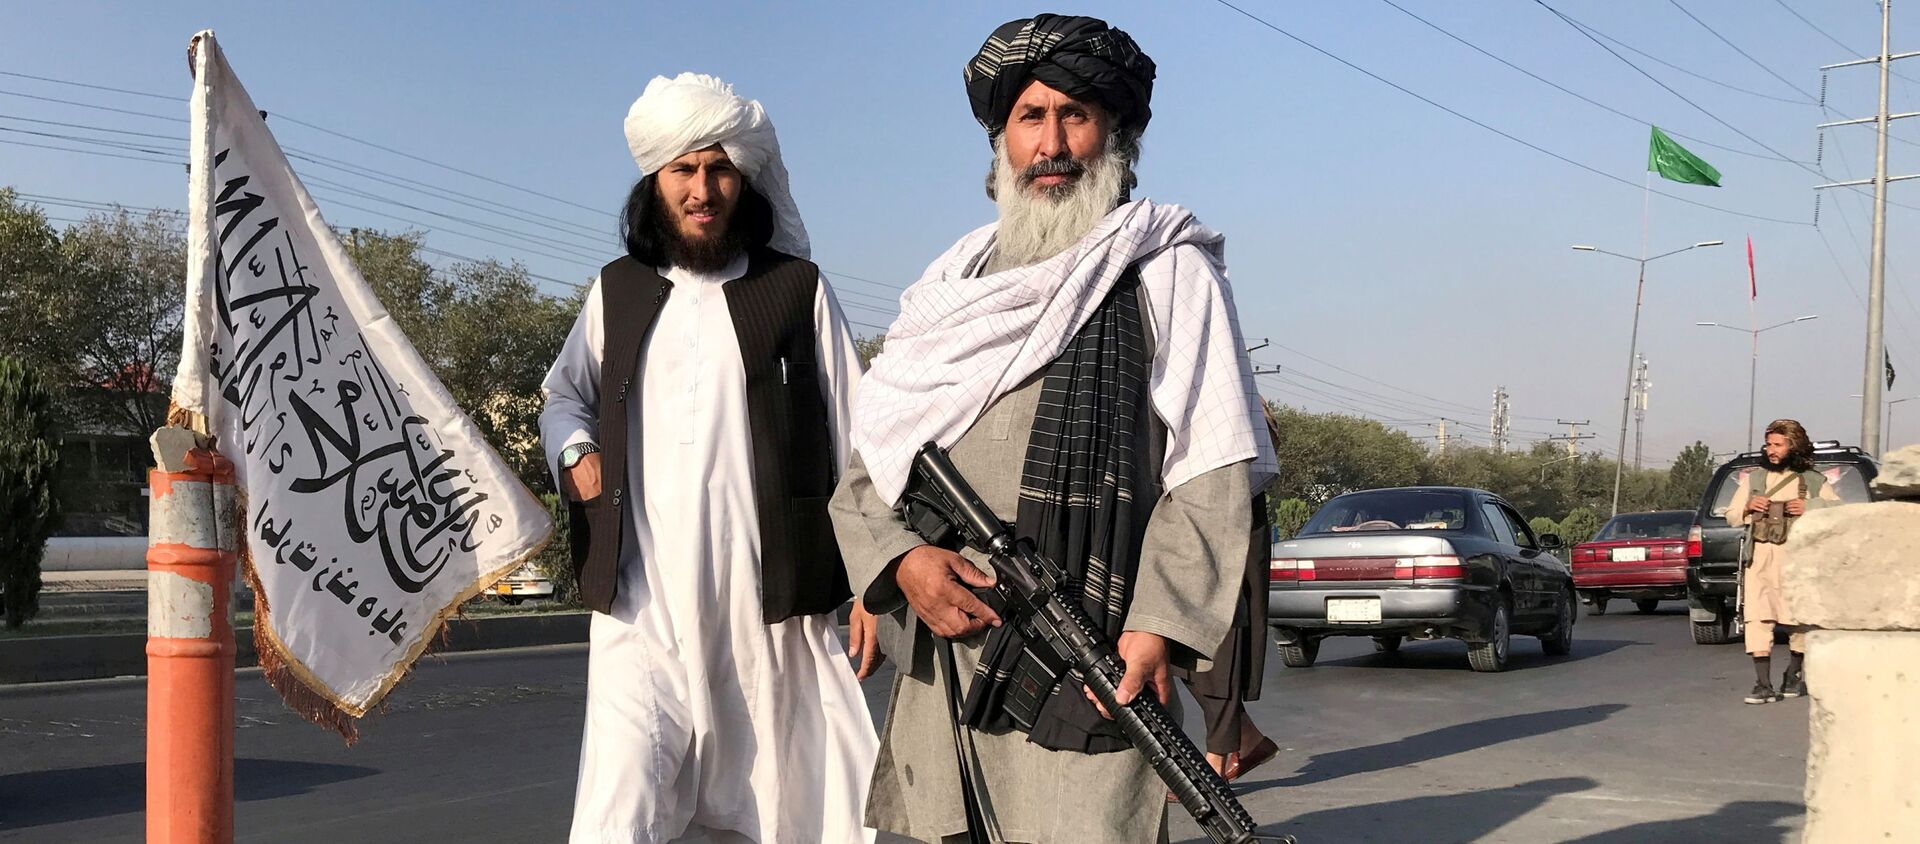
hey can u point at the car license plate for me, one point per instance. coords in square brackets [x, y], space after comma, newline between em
[1353, 610]
[504, 589]
[1629, 555]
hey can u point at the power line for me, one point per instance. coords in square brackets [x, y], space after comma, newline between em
[1736, 48]
[92, 106]
[1671, 90]
[1568, 91]
[87, 152]
[360, 171]
[1580, 28]
[87, 85]
[1514, 138]
[314, 126]
[1837, 42]
[1657, 60]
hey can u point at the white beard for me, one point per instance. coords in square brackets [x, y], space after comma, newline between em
[1036, 224]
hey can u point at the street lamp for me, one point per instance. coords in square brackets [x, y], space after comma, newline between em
[1633, 349]
[1753, 368]
[1886, 430]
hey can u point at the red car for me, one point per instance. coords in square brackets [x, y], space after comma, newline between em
[1638, 556]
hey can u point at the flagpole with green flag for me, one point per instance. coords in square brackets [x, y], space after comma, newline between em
[1674, 163]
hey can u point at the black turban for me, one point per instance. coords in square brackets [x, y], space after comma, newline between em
[1078, 56]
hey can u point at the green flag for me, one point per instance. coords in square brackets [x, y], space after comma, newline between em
[1673, 162]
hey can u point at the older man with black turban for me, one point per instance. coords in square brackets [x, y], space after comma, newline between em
[1081, 362]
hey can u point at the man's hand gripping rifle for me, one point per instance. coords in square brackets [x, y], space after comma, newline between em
[1030, 586]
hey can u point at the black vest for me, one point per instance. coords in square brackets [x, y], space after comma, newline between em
[801, 572]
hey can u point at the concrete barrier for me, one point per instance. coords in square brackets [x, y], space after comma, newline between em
[40, 659]
[1852, 572]
[95, 553]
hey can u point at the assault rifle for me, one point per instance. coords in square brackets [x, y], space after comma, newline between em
[1029, 586]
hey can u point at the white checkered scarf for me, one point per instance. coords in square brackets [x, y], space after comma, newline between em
[961, 342]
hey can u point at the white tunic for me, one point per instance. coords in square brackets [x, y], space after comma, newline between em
[702, 719]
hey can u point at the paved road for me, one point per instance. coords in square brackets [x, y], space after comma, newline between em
[1637, 737]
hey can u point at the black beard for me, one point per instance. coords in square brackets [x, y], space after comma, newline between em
[703, 255]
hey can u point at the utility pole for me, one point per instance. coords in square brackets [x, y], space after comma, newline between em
[1573, 437]
[1640, 385]
[1443, 436]
[1877, 263]
[1501, 419]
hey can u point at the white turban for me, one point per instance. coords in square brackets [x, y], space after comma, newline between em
[694, 111]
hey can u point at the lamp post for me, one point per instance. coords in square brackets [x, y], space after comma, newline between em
[1633, 350]
[1753, 367]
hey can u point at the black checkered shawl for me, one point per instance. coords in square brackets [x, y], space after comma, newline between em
[1089, 482]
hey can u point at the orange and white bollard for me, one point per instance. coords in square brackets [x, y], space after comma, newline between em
[191, 550]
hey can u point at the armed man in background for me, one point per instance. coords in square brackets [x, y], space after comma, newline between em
[1767, 501]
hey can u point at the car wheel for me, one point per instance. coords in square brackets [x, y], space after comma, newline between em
[1300, 654]
[1598, 607]
[1491, 655]
[1715, 632]
[1387, 644]
[1560, 641]
[1647, 605]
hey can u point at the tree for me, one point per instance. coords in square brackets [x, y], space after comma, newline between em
[30, 263]
[125, 282]
[1290, 515]
[97, 310]
[29, 513]
[1579, 526]
[867, 348]
[1324, 455]
[487, 331]
[1687, 478]
[1542, 525]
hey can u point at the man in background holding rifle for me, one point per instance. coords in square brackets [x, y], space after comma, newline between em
[1767, 501]
[1081, 363]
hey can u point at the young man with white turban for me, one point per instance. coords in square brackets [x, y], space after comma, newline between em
[1081, 361]
[697, 420]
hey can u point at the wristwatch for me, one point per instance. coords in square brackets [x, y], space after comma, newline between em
[570, 456]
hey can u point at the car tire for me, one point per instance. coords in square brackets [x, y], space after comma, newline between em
[1559, 641]
[1387, 644]
[1715, 632]
[1597, 607]
[1647, 605]
[1300, 654]
[1491, 655]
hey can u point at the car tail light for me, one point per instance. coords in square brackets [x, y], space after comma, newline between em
[1428, 568]
[1291, 570]
[1583, 555]
[1693, 542]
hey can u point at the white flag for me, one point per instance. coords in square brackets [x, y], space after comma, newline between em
[373, 505]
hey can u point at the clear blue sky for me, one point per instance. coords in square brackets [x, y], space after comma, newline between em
[1365, 228]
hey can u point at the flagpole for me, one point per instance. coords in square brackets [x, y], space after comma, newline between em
[1753, 368]
[1633, 343]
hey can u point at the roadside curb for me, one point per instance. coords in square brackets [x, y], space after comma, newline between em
[42, 659]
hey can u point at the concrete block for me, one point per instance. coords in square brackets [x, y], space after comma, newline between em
[1899, 474]
[1864, 734]
[1855, 567]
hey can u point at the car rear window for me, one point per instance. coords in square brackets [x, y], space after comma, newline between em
[1391, 509]
[1646, 526]
[1843, 478]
